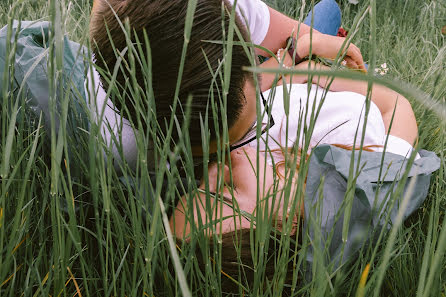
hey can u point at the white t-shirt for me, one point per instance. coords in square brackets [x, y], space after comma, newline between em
[116, 131]
[340, 118]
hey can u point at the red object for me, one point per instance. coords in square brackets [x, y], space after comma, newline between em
[342, 32]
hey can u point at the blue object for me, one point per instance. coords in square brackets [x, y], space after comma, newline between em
[327, 17]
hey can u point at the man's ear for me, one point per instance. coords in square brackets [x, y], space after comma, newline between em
[94, 18]
[96, 7]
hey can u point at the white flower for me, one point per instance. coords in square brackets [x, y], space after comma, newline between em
[382, 70]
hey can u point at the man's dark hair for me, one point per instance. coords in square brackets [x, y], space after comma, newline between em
[164, 22]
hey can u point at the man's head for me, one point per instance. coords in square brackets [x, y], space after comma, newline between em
[163, 21]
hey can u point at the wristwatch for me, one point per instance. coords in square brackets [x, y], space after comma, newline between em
[292, 50]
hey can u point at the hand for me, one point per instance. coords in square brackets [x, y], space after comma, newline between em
[283, 60]
[328, 46]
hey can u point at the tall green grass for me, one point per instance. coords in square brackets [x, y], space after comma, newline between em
[69, 224]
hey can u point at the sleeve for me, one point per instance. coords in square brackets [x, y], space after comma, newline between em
[116, 131]
[255, 14]
[399, 146]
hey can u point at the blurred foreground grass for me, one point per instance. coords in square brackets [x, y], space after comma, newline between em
[93, 236]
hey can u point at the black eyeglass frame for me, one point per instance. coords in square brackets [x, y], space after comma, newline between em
[213, 156]
[270, 124]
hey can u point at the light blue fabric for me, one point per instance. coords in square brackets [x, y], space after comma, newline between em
[327, 17]
[373, 201]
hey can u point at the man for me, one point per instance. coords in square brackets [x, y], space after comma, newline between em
[163, 22]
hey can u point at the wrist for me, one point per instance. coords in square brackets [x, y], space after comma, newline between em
[283, 60]
[293, 51]
[300, 48]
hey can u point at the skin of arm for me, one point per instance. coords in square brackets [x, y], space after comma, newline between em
[388, 101]
[326, 46]
[269, 78]
[280, 29]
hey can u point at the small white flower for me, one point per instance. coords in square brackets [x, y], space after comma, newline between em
[383, 69]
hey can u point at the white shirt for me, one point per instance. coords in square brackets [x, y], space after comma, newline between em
[340, 118]
[116, 131]
[256, 15]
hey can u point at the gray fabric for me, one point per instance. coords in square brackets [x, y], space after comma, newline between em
[373, 199]
[31, 71]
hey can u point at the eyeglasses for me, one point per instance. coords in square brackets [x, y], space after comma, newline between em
[251, 135]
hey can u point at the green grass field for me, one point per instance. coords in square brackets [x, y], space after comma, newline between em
[70, 226]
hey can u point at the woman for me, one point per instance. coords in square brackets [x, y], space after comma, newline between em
[340, 120]
[250, 190]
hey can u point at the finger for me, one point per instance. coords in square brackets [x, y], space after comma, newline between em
[359, 60]
[355, 54]
[355, 63]
[350, 63]
[362, 67]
